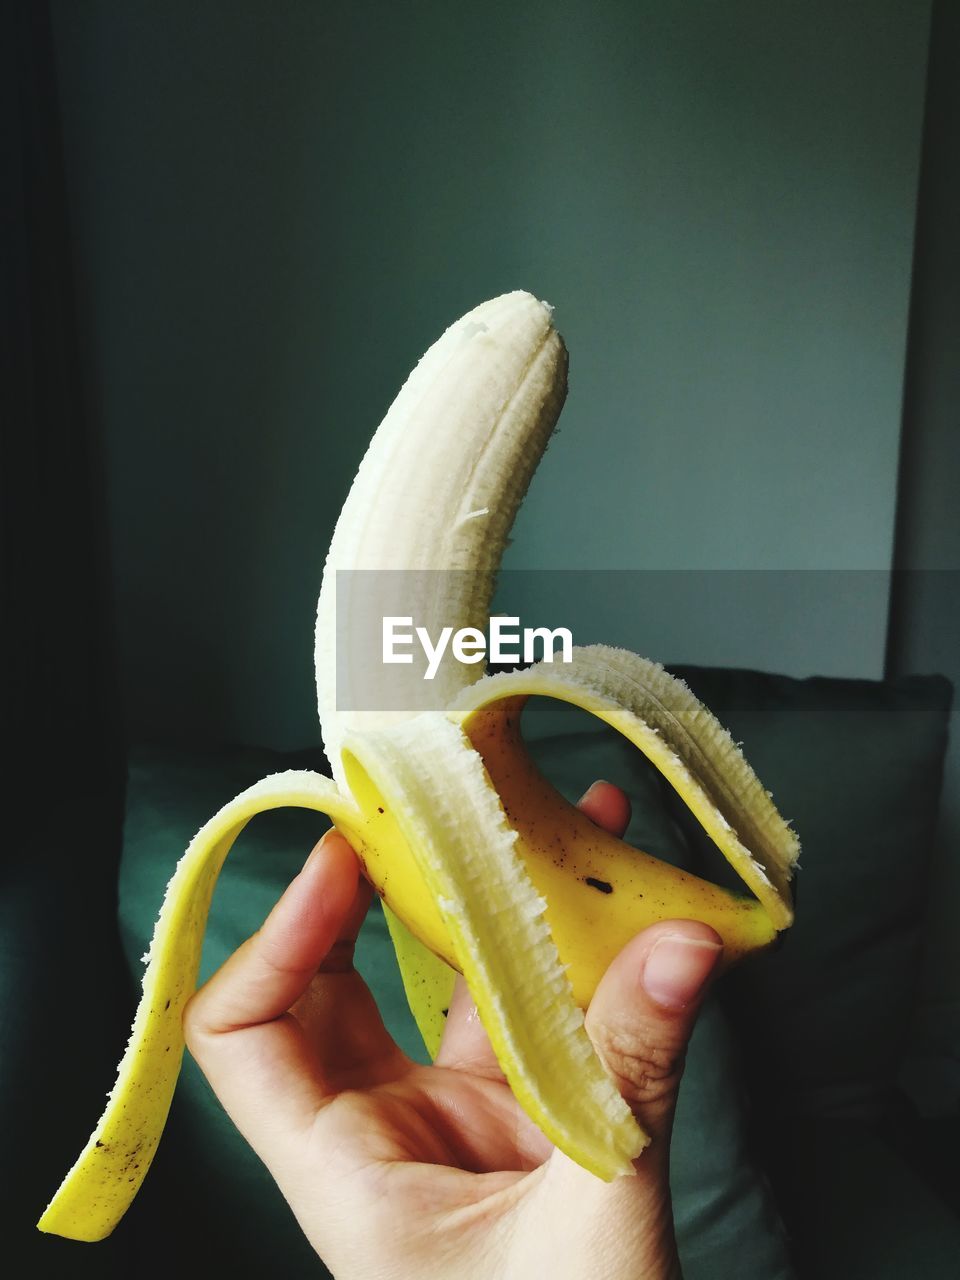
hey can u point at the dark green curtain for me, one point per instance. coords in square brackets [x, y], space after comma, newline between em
[925, 605]
[64, 1006]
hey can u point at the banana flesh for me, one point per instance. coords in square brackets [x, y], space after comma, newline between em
[483, 868]
[437, 490]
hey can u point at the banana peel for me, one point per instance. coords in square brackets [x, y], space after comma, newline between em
[483, 868]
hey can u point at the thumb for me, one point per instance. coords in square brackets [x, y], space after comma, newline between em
[642, 1014]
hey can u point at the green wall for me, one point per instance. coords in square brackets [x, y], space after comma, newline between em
[276, 207]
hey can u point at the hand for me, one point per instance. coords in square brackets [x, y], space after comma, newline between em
[398, 1171]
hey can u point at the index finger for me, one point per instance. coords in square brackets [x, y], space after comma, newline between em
[255, 1053]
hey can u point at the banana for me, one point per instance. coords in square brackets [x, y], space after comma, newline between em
[483, 868]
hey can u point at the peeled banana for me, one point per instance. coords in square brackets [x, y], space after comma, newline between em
[484, 869]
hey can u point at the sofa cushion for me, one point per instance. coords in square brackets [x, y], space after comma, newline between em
[206, 1180]
[856, 1208]
[856, 765]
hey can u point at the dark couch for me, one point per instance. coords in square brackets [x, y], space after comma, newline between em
[797, 1151]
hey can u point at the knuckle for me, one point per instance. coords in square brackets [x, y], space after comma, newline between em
[644, 1073]
[194, 1022]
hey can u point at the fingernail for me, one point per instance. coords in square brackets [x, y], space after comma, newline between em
[677, 968]
[600, 782]
[317, 851]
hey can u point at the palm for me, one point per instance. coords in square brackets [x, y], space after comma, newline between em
[440, 1116]
[459, 1112]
